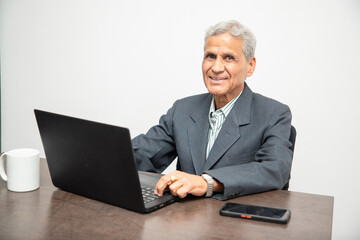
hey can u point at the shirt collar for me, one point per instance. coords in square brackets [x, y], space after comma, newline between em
[225, 110]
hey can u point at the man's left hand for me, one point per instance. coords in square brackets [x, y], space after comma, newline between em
[181, 184]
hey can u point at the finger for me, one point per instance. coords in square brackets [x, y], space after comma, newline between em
[161, 185]
[166, 181]
[174, 187]
[182, 192]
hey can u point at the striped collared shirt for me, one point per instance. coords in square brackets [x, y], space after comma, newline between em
[216, 120]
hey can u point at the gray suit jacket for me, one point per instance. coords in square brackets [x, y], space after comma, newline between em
[251, 153]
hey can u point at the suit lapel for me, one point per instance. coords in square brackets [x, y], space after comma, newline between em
[198, 134]
[230, 131]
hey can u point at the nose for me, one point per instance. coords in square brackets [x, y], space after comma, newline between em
[218, 66]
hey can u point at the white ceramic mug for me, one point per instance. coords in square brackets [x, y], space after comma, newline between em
[22, 169]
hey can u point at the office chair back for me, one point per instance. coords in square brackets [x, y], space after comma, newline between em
[292, 140]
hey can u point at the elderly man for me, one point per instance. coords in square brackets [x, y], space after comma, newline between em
[230, 141]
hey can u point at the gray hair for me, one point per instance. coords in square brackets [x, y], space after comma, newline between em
[238, 30]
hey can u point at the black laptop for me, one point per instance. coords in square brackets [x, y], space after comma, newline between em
[96, 160]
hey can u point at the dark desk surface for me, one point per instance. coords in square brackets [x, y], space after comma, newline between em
[49, 213]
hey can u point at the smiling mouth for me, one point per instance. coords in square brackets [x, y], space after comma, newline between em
[217, 78]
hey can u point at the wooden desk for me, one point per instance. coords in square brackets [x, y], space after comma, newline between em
[49, 213]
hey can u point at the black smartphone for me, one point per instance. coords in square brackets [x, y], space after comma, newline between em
[253, 212]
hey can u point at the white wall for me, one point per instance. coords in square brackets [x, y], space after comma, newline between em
[125, 62]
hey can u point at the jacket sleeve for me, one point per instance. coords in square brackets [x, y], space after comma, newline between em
[155, 150]
[271, 166]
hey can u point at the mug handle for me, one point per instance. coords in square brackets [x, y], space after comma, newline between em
[2, 167]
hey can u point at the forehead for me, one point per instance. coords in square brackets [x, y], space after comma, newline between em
[224, 43]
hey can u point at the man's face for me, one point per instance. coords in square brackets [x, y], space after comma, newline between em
[225, 67]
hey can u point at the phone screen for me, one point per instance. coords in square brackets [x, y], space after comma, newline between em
[254, 210]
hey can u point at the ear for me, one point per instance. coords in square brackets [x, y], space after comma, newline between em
[251, 67]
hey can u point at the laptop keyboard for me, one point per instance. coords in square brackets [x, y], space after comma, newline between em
[148, 194]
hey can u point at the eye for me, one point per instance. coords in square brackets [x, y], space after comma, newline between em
[229, 58]
[210, 56]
